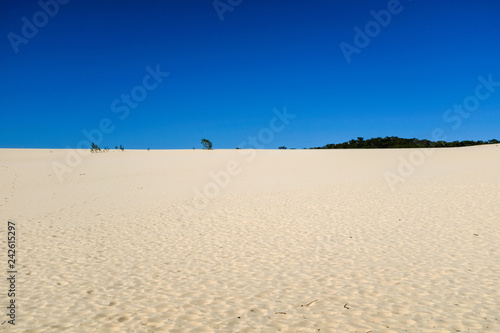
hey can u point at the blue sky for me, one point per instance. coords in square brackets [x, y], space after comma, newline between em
[226, 76]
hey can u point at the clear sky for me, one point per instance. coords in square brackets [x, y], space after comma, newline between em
[72, 66]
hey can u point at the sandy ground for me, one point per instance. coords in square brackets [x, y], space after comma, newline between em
[287, 240]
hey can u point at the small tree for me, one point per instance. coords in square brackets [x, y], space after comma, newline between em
[121, 148]
[206, 144]
[282, 147]
[94, 148]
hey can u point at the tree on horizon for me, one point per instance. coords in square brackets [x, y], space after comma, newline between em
[206, 144]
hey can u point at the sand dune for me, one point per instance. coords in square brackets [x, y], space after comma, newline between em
[254, 241]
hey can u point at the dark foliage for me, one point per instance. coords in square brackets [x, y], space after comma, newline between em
[395, 142]
[206, 144]
[94, 148]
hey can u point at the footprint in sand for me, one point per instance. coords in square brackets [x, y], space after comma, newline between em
[9, 180]
[123, 319]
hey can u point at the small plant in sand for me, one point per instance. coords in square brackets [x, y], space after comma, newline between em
[206, 144]
[94, 148]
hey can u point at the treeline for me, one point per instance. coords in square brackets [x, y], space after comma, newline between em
[395, 142]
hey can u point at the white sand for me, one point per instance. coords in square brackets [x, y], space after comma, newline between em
[118, 247]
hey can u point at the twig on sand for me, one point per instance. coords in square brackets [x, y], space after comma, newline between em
[345, 306]
[280, 313]
[309, 303]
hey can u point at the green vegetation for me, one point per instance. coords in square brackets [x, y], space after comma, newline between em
[395, 142]
[96, 149]
[206, 144]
